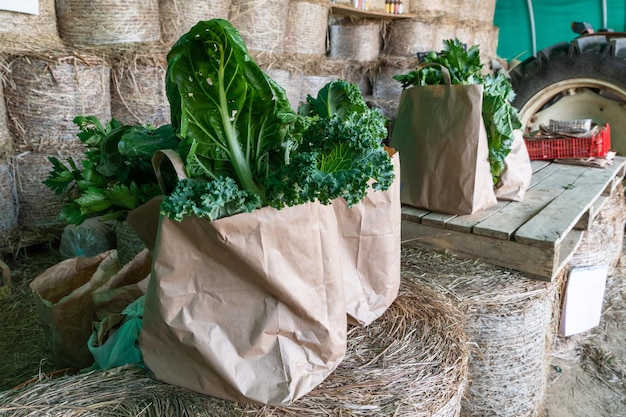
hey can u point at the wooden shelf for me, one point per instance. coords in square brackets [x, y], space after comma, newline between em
[376, 14]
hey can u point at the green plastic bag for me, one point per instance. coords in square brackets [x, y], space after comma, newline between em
[115, 340]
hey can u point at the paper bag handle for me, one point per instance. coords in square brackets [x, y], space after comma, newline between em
[176, 161]
[444, 71]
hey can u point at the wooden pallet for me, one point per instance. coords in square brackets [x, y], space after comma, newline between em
[536, 236]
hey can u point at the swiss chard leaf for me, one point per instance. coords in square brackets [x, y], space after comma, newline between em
[231, 116]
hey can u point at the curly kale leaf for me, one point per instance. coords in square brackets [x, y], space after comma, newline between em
[210, 200]
[341, 153]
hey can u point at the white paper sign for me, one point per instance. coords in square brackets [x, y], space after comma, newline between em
[22, 6]
[584, 295]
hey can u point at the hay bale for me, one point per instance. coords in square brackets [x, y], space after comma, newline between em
[385, 86]
[21, 32]
[510, 320]
[106, 22]
[411, 362]
[306, 28]
[602, 244]
[9, 209]
[138, 88]
[312, 84]
[39, 207]
[261, 23]
[291, 82]
[44, 95]
[178, 16]
[355, 40]
[6, 141]
[409, 37]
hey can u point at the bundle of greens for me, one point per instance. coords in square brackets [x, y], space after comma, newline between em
[243, 145]
[116, 175]
[500, 117]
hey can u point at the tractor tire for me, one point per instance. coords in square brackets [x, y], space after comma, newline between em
[583, 79]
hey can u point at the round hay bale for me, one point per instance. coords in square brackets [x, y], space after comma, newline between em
[39, 206]
[306, 28]
[26, 32]
[602, 244]
[106, 22]
[6, 141]
[128, 243]
[355, 40]
[261, 23]
[138, 89]
[385, 86]
[291, 82]
[44, 95]
[178, 16]
[408, 37]
[430, 9]
[510, 320]
[411, 362]
[312, 84]
[481, 11]
[9, 210]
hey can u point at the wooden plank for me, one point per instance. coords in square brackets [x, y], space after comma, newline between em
[585, 221]
[437, 219]
[413, 214]
[538, 263]
[503, 224]
[541, 171]
[563, 213]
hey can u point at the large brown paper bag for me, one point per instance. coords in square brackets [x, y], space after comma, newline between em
[124, 286]
[370, 234]
[515, 179]
[63, 295]
[249, 307]
[442, 141]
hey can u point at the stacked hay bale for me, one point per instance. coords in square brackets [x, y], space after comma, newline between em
[411, 362]
[432, 23]
[178, 16]
[510, 320]
[138, 86]
[106, 22]
[28, 32]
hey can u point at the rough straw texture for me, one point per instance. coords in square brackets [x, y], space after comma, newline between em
[138, 88]
[178, 16]
[412, 362]
[21, 31]
[6, 141]
[44, 95]
[8, 209]
[261, 23]
[510, 321]
[39, 207]
[602, 243]
[105, 22]
[305, 32]
[355, 40]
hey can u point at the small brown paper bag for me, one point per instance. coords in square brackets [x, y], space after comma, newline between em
[63, 295]
[515, 179]
[442, 141]
[370, 250]
[249, 307]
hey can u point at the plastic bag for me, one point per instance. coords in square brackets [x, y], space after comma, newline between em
[90, 238]
[115, 340]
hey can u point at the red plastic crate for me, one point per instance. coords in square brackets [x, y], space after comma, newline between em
[567, 147]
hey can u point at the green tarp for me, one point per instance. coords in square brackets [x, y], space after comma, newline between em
[552, 20]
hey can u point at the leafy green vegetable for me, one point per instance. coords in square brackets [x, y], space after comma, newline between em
[233, 118]
[211, 200]
[241, 139]
[499, 116]
[116, 175]
[341, 151]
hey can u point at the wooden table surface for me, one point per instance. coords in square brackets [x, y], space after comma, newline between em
[536, 236]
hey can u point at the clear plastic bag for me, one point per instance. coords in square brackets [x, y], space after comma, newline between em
[90, 238]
